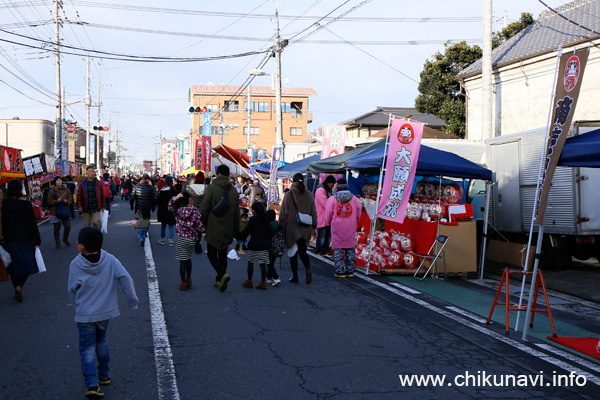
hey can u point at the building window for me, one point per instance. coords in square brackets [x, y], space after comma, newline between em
[257, 106]
[231, 105]
[253, 130]
[212, 107]
[294, 108]
[295, 131]
[217, 130]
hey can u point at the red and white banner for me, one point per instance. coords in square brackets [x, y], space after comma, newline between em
[206, 151]
[176, 160]
[334, 143]
[198, 153]
[334, 140]
[400, 168]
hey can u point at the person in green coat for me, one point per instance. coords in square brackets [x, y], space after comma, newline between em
[220, 229]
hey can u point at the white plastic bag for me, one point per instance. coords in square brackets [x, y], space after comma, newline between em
[39, 260]
[104, 221]
[232, 255]
[5, 256]
[292, 250]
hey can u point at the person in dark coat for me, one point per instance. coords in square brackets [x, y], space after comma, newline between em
[298, 199]
[260, 232]
[21, 236]
[143, 193]
[163, 215]
[255, 192]
[220, 229]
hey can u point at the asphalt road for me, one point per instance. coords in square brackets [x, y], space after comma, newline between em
[333, 339]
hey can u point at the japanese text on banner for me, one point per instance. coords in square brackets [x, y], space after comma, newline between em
[400, 167]
[568, 85]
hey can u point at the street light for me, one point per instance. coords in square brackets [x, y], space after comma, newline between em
[279, 126]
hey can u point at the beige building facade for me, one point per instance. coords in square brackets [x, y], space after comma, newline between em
[229, 108]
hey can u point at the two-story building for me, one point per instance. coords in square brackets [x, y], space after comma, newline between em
[229, 106]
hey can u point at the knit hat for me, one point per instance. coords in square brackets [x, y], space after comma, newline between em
[342, 184]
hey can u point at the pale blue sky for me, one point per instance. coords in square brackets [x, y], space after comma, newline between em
[147, 98]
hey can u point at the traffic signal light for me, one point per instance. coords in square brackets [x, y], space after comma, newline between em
[197, 110]
[100, 128]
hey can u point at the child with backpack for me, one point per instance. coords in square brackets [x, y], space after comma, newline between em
[260, 233]
[109, 189]
[277, 248]
[189, 228]
[142, 217]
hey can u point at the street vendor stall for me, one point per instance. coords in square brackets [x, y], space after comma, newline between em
[39, 170]
[428, 212]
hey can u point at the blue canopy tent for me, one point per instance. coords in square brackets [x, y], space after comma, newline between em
[582, 151]
[288, 171]
[264, 167]
[432, 162]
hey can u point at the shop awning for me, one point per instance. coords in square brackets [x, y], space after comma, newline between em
[300, 166]
[432, 162]
[232, 155]
[338, 163]
[582, 151]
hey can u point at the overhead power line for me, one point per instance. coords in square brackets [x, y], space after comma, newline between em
[257, 39]
[163, 10]
[122, 57]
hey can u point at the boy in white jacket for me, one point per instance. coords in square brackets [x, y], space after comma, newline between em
[93, 278]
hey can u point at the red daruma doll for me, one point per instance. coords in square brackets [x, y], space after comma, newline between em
[410, 260]
[396, 259]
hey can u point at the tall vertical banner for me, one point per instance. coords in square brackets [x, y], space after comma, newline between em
[402, 157]
[176, 162]
[568, 85]
[206, 123]
[273, 188]
[334, 142]
[198, 153]
[206, 150]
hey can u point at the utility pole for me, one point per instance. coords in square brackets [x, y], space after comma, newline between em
[58, 126]
[486, 73]
[249, 106]
[87, 102]
[278, 48]
[98, 156]
[64, 146]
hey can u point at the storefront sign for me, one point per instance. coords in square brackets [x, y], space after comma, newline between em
[38, 164]
[402, 157]
[10, 161]
[568, 84]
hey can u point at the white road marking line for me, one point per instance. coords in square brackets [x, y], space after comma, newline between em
[405, 288]
[467, 314]
[570, 356]
[165, 370]
[511, 342]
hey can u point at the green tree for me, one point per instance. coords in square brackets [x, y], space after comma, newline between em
[440, 89]
[512, 29]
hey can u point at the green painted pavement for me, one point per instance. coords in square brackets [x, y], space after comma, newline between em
[481, 304]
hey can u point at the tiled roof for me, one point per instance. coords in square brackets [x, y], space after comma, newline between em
[223, 90]
[380, 117]
[546, 34]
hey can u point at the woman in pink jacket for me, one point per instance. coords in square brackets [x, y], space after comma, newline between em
[323, 193]
[342, 213]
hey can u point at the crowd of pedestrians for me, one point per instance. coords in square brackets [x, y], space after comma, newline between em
[195, 208]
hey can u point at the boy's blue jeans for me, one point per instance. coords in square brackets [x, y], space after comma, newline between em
[163, 228]
[142, 233]
[93, 349]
